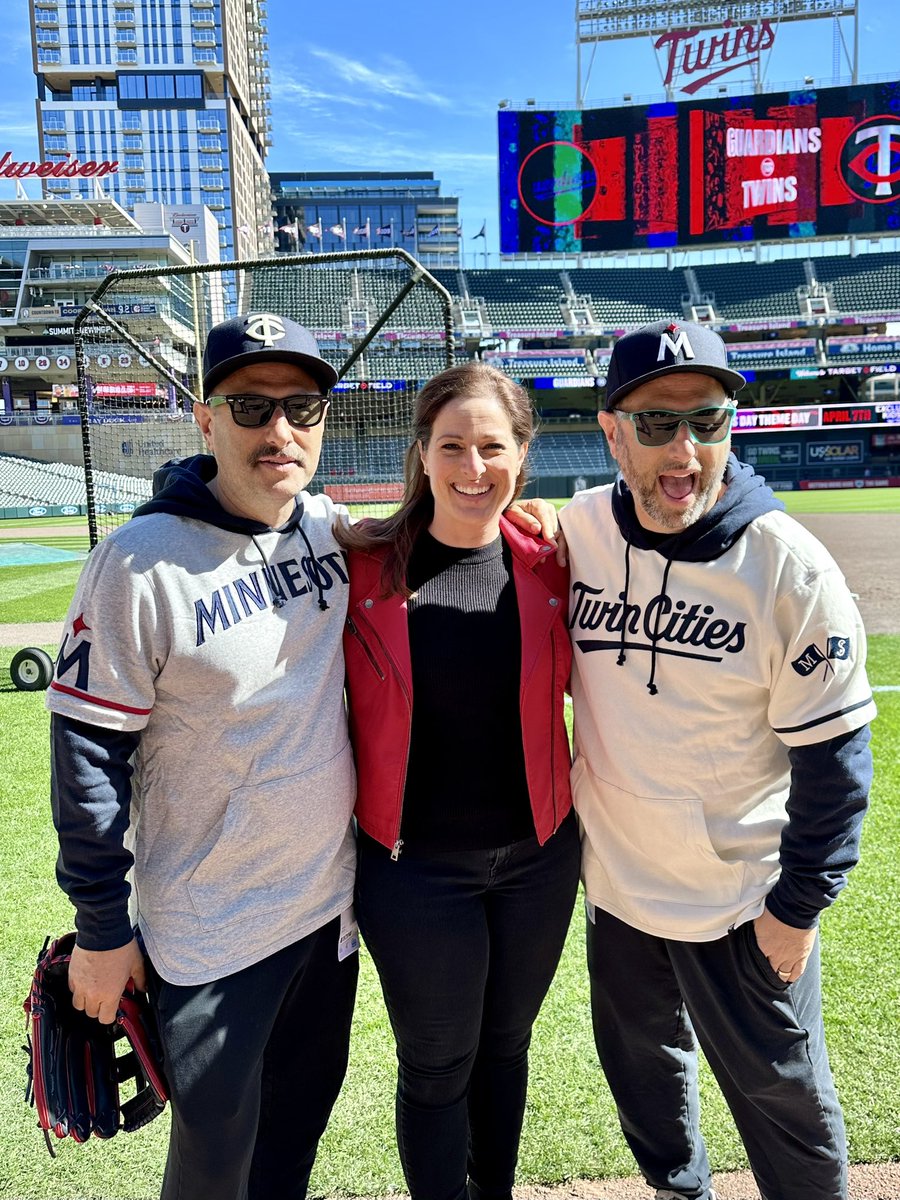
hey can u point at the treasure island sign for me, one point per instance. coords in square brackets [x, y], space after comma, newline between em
[66, 168]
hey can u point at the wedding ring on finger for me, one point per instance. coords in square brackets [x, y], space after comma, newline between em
[785, 975]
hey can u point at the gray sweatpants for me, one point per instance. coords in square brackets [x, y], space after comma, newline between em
[763, 1039]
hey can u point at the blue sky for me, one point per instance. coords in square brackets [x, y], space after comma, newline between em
[402, 86]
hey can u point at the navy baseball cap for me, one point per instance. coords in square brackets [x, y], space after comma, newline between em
[262, 337]
[663, 348]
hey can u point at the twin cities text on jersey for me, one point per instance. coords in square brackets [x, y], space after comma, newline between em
[661, 620]
[265, 587]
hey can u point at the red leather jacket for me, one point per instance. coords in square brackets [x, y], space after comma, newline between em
[379, 684]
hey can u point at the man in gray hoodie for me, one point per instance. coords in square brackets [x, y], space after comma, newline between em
[202, 775]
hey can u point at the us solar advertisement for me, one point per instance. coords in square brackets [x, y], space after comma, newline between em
[812, 163]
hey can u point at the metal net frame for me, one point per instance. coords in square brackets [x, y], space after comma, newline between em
[382, 320]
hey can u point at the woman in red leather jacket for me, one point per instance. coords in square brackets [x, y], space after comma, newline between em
[457, 659]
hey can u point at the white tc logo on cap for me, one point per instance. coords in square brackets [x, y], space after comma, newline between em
[265, 328]
[680, 343]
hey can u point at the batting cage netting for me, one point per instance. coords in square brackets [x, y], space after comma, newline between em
[379, 317]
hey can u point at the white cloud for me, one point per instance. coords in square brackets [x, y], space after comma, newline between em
[19, 121]
[380, 149]
[393, 78]
[315, 102]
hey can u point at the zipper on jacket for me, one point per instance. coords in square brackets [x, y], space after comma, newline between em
[398, 844]
[365, 648]
[553, 722]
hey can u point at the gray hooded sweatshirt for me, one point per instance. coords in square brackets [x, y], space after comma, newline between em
[199, 734]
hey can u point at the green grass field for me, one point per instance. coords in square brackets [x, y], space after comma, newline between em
[862, 500]
[571, 1130]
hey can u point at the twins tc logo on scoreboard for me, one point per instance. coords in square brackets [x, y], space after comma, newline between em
[870, 160]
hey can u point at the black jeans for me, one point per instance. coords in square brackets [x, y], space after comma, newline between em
[653, 999]
[255, 1062]
[466, 944]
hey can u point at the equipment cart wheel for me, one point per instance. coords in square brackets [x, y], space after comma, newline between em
[31, 669]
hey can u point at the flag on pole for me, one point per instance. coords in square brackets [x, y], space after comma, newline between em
[338, 231]
[363, 230]
[411, 232]
[433, 232]
[384, 230]
[481, 232]
[315, 229]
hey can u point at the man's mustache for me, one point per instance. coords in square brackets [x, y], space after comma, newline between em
[262, 452]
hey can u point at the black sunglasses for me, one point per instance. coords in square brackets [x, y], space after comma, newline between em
[252, 412]
[657, 427]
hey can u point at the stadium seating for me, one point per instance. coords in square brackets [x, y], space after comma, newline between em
[311, 295]
[630, 296]
[753, 290]
[27, 482]
[570, 454]
[526, 299]
[869, 283]
[365, 459]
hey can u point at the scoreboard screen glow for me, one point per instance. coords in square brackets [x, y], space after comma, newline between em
[810, 163]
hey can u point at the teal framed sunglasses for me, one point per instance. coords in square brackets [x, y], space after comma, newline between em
[658, 426]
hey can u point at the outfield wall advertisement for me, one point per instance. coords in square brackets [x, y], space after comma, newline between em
[811, 163]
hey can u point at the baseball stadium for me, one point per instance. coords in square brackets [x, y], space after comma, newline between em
[776, 224]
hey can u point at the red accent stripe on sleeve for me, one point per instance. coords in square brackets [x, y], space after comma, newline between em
[125, 708]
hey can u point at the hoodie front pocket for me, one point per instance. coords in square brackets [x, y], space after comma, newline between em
[654, 848]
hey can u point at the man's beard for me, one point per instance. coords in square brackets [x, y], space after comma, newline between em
[644, 486]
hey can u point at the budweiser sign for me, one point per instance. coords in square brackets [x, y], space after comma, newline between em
[68, 168]
[703, 55]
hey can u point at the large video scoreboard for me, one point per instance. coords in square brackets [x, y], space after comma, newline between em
[812, 163]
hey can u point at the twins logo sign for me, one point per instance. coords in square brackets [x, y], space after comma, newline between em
[869, 160]
[837, 647]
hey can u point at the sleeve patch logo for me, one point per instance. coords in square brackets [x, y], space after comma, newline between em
[811, 658]
[839, 647]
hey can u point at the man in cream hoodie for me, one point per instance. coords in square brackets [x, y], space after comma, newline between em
[721, 774]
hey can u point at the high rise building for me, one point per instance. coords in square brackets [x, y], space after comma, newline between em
[176, 92]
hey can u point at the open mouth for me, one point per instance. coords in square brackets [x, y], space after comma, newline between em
[678, 486]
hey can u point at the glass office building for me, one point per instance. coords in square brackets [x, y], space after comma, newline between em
[364, 210]
[176, 92]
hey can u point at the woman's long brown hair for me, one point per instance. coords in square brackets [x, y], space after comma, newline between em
[400, 531]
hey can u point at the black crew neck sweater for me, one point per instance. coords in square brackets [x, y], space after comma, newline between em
[466, 787]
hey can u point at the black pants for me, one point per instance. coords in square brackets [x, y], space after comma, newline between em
[762, 1037]
[255, 1062]
[466, 945]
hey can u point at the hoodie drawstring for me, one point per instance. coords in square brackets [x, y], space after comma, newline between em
[278, 600]
[651, 686]
[620, 661]
[314, 564]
